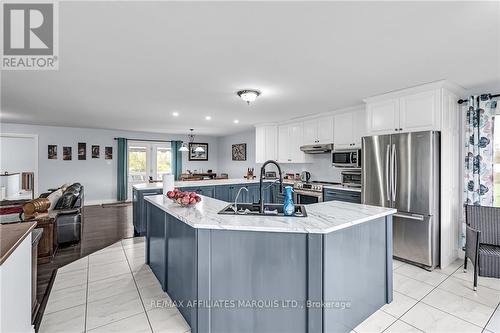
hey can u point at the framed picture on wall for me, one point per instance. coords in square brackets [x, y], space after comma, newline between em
[95, 151]
[198, 151]
[82, 151]
[52, 152]
[239, 152]
[67, 154]
[108, 153]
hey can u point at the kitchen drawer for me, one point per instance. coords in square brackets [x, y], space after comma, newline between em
[341, 195]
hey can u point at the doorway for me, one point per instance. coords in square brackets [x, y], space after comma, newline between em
[18, 166]
[148, 160]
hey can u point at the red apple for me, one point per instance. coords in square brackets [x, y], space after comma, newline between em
[170, 194]
[185, 200]
[198, 198]
[192, 201]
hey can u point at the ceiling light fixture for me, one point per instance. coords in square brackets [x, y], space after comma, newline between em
[208, 118]
[175, 114]
[248, 95]
[236, 121]
[191, 136]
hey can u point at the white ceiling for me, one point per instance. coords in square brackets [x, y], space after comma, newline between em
[129, 65]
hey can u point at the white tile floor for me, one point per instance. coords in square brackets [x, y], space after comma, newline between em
[437, 301]
[112, 291]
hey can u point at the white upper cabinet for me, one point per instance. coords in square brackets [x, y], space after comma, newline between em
[295, 136]
[343, 131]
[348, 130]
[318, 131]
[420, 112]
[290, 138]
[409, 110]
[266, 143]
[310, 132]
[358, 127]
[283, 150]
[325, 129]
[383, 117]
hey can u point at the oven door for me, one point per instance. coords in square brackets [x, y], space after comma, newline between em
[305, 197]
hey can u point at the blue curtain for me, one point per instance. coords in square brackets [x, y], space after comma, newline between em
[122, 174]
[176, 159]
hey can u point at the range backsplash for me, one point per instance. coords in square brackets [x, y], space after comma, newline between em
[320, 169]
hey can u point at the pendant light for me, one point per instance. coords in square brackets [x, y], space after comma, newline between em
[184, 146]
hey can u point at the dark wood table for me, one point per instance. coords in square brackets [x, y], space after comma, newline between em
[47, 246]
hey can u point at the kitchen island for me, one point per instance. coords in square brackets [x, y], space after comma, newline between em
[326, 272]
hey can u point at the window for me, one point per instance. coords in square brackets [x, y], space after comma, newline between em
[147, 160]
[163, 161]
[137, 163]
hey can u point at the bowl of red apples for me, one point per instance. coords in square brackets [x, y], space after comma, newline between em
[185, 199]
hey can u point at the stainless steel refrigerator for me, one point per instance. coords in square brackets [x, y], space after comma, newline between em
[402, 171]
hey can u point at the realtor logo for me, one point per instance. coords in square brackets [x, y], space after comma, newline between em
[29, 36]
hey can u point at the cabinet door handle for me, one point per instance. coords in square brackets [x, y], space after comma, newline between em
[400, 129]
[395, 129]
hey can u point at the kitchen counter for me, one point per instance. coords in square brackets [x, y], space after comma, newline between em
[321, 218]
[17, 276]
[326, 272]
[11, 235]
[197, 183]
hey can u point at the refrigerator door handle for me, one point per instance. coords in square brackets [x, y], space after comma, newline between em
[394, 172]
[417, 217]
[387, 186]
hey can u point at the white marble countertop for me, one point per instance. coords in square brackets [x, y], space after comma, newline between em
[208, 182]
[322, 218]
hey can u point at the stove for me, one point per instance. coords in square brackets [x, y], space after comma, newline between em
[309, 192]
[313, 187]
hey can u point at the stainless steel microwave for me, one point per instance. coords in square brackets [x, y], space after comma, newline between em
[346, 158]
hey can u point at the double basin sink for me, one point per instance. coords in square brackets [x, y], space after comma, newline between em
[252, 209]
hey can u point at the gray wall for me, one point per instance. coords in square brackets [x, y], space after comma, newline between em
[22, 149]
[236, 169]
[320, 168]
[97, 175]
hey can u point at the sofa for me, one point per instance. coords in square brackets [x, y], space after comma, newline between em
[66, 208]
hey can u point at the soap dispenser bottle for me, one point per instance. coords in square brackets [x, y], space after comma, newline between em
[288, 205]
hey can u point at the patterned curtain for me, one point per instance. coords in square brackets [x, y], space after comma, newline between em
[479, 125]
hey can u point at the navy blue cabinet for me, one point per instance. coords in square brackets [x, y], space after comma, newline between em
[223, 192]
[250, 196]
[208, 191]
[341, 195]
[139, 209]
